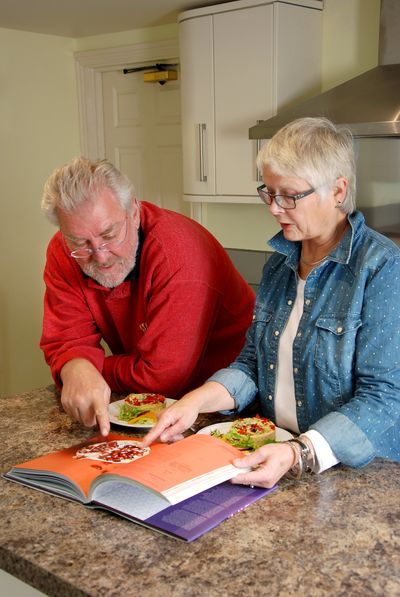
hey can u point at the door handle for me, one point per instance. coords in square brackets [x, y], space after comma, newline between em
[202, 128]
[258, 147]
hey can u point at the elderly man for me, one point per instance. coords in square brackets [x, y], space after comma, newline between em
[151, 284]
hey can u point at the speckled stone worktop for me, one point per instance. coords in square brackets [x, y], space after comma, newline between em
[333, 534]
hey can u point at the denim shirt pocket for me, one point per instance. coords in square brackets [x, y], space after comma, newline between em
[261, 319]
[334, 355]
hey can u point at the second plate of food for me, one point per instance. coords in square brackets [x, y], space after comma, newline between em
[143, 421]
[281, 435]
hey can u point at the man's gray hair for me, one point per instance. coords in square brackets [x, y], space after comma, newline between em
[82, 180]
[315, 150]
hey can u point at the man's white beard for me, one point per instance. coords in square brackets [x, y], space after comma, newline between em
[112, 279]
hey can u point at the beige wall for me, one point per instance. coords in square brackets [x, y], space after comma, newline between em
[126, 38]
[350, 38]
[39, 130]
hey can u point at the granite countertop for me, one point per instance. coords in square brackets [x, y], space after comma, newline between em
[332, 534]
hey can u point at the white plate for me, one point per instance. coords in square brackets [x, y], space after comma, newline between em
[113, 410]
[281, 435]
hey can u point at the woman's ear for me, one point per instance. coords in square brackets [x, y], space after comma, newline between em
[340, 190]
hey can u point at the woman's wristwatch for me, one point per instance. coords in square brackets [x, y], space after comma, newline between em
[304, 457]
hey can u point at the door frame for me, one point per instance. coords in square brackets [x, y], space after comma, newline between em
[89, 66]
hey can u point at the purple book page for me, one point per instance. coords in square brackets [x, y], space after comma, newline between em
[193, 517]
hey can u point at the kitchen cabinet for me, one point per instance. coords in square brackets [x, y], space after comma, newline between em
[240, 62]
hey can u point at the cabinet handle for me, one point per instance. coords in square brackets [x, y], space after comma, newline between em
[202, 164]
[259, 177]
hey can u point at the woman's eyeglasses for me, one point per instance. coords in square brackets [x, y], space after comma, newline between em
[284, 201]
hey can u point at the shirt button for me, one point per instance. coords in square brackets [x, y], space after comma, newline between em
[270, 397]
[271, 366]
[276, 332]
[254, 317]
[290, 302]
[339, 330]
[308, 301]
[298, 334]
[295, 370]
[299, 403]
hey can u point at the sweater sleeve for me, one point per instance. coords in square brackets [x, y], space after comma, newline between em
[69, 330]
[166, 359]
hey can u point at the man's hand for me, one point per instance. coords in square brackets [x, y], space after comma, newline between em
[85, 395]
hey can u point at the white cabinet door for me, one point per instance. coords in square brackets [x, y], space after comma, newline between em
[197, 106]
[239, 66]
[244, 93]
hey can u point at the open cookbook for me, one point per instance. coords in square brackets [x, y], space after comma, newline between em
[180, 489]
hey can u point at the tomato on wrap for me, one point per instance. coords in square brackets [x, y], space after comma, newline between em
[137, 404]
[249, 433]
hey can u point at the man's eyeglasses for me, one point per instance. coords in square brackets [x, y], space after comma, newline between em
[114, 242]
[284, 201]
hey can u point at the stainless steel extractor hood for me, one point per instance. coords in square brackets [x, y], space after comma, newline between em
[368, 104]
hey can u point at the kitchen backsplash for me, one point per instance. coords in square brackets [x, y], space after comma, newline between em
[250, 264]
[385, 219]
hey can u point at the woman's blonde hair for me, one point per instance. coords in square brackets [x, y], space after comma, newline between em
[315, 150]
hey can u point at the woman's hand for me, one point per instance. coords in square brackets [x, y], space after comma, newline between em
[173, 421]
[269, 464]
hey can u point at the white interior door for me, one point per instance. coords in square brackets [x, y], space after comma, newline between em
[142, 135]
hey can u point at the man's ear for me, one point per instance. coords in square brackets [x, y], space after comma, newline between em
[135, 209]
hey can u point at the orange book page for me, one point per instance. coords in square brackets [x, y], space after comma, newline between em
[164, 467]
[80, 471]
[167, 465]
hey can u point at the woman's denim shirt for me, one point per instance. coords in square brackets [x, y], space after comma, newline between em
[346, 351]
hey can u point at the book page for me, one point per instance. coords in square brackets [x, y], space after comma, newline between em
[169, 465]
[165, 467]
[131, 500]
[80, 471]
[188, 520]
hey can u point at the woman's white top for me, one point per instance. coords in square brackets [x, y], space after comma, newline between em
[285, 403]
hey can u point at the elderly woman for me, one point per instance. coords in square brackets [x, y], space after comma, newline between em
[322, 354]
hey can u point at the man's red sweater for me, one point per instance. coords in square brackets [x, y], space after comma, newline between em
[181, 319]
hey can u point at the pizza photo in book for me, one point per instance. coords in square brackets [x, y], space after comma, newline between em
[179, 489]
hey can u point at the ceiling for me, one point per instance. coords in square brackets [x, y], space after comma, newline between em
[82, 18]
